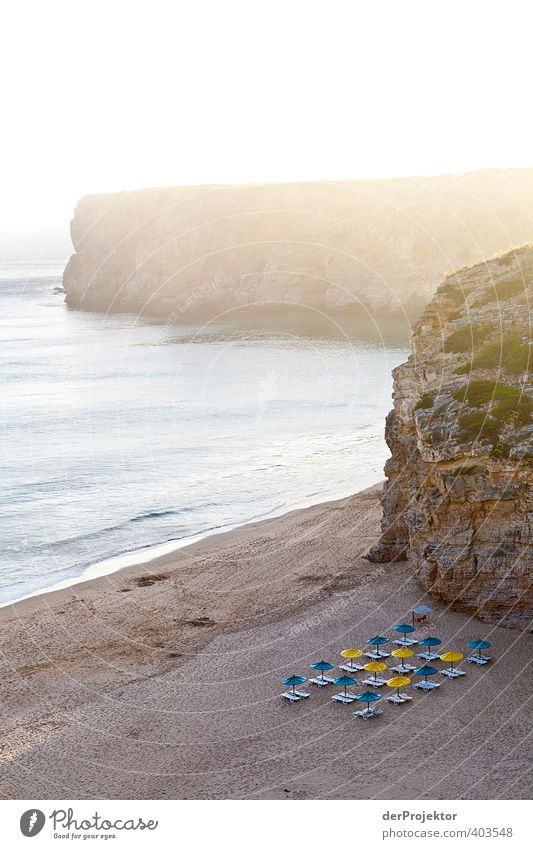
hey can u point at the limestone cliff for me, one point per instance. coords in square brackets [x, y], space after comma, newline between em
[458, 502]
[378, 246]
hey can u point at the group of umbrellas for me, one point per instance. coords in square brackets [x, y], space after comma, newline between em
[377, 665]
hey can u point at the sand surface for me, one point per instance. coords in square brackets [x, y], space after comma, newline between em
[164, 682]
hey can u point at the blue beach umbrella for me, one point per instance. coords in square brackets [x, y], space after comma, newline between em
[322, 666]
[377, 641]
[345, 681]
[368, 697]
[430, 641]
[294, 681]
[425, 671]
[479, 645]
[404, 628]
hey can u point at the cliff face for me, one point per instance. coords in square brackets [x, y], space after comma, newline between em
[458, 502]
[380, 246]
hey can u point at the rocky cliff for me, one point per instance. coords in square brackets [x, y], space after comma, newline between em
[378, 246]
[458, 502]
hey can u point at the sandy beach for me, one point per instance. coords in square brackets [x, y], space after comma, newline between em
[165, 681]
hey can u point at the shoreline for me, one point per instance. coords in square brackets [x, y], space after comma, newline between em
[156, 553]
[165, 683]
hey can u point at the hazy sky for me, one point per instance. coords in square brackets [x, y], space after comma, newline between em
[102, 96]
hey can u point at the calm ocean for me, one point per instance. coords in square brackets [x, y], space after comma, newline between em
[119, 433]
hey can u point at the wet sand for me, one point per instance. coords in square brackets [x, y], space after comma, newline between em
[165, 681]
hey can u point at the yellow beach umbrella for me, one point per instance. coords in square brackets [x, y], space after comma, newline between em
[402, 653]
[375, 667]
[451, 656]
[399, 681]
[351, 654]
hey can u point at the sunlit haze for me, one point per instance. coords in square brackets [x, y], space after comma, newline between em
[102, 96]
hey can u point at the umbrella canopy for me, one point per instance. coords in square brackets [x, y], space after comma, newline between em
[479, 645]
[425, 671]
[451, 656]
[293, 681]
[377, 641]
[345, 681]
[368, 697]
[399, 681]
[404, 628]
[351, 654]
[322, 666]
[430, 641]
[403, 652]
[375, 667]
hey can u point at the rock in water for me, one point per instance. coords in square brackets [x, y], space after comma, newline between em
[458, 501]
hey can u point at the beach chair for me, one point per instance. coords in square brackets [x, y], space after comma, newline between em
[375, 682]
[426, 685]
[343, 699]
[302, 694]
[401, 670]
[428, 655]
[356, 667]
[452, 673]
[321, 682]
[290, 697]
[480, 661]
[377, 654]
[368, 713]
[396, 700]
[405, 642]
[405, 698]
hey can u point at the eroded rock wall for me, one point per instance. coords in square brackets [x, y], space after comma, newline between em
[458, 502]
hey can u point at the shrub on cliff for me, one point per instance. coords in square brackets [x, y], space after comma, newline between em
[510, 353]
[502, 291]
[479, 425]
[425, 402]
[452, 292]
[478, 392]
[466, 338]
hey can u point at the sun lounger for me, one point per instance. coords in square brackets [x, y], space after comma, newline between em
[401, 670]
[367, 713]
[426, 685]
[302, 693]
[376, 655]
[452, 673]
[290, 697]
[375, 682]
[347, 668]
[405, 698]
[428, 655]
[481, 661]
[405, 641]
[320, 682]
[396, 700]
[344, 699]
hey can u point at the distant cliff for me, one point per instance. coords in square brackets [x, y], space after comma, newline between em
[458, 502]
[376, 246]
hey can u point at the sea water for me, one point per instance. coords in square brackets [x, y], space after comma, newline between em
[120, 433]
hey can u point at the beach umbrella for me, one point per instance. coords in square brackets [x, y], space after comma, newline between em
[375, 667]
[401, 653]
[294, 681]
[425, 671]
[479, 645]
[377, 641]
[345, 681]
[351, 654]
[322, 666]
[368, 697]
[450, 656]
[430, 641]
[399, 681]
[404, 629]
